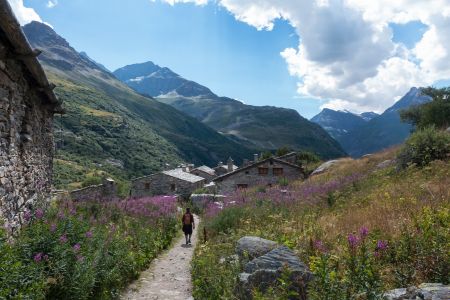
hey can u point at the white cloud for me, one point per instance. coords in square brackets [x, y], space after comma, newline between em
[52, 3]
[346, 54]
[24, 14]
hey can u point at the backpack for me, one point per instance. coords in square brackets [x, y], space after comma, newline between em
[187, 219]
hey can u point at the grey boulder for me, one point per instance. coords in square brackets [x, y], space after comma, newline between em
[425, 291]
[250, 247]
[264, 271]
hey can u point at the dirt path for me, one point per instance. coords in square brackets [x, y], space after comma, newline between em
[169, 277]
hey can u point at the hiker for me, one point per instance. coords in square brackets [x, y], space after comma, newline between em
[188, 225]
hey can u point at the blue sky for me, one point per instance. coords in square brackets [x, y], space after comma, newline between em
[202, 43]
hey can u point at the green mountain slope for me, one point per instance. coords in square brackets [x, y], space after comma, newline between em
[263, 127]
[110, 127]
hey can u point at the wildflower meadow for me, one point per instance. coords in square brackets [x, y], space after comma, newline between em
[85, 250]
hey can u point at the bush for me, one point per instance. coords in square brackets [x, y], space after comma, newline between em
[85, 250]
[424, 146]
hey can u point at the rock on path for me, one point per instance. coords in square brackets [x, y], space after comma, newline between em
[169, 276]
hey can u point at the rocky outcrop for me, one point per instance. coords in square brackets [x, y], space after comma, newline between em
[250, 247]
[269, 262]
[325, 167]
[425, 291]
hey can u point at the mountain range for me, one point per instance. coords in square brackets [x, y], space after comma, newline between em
[368, 132]
[127, 132]
[260, 127]
[110, 127]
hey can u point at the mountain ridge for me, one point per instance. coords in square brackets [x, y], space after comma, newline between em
[378, 133]
[266, 127]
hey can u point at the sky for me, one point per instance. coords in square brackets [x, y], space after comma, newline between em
[357, 55]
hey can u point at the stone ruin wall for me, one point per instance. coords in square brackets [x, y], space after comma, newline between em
[102, 192]
[26, 145]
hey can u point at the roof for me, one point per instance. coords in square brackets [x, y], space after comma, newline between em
[287, 155]
[226, 167]
[180, 174]
[206, 169]
[256, 164]
[10, 28]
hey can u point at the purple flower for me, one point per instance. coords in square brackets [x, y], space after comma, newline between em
[381, 245]
[63, 239]
[27, 216]
[364, 232]
[38, 257]
[76, 247]
[319, 246]
[353, 240]
[89, 234]
[53, 227]
[39, 213]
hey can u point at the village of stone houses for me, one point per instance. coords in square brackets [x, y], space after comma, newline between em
[141, 184]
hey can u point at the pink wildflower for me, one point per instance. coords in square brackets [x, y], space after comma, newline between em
[38, 257]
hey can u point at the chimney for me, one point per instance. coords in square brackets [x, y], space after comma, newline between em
[255, 157]
[190, 168]
[246, 162]
[220, 164]
[230, 163]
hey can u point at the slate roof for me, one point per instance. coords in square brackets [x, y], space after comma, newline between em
[226, 167]
[256, 164]
[11, 31]
[180, 174]
[206, 169]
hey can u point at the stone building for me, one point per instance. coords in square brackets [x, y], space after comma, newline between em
[205, 172]
[172, 182]
[27, 106]
[265, 172]
[223, 169]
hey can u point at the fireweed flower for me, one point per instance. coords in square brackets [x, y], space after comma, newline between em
[89, 234]
[363, 232]
[319, 246]
[76, 247]
[53, 227]
[39, 214]
[353, 240]
[63, 239]
[27, 216]
[60, 215]
[381, 245]
[38, 257]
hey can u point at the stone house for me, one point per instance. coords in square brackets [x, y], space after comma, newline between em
[223, 169]
[265, 172]
[27, 106]
[172, 182]
[205, 172]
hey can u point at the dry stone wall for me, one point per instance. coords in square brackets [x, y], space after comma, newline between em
[26, 145]
[102, 192]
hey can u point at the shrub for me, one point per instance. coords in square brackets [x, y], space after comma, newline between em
[85, 250]
[424, 146]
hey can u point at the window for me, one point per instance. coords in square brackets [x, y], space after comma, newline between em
[242, 186]
[277, 171]
[263, 171]
[173, 187]
[147, 186]
[247, 172]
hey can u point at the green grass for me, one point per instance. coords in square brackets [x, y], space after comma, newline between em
[408, 209]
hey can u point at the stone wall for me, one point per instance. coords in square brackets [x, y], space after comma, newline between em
[162, 184]
[107, 191]
[251, 177]
[26, 144]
